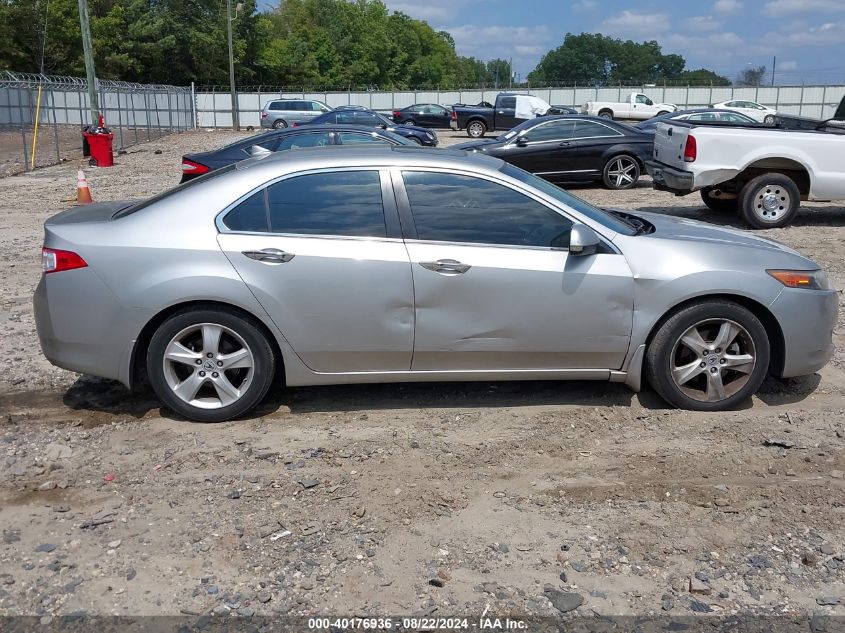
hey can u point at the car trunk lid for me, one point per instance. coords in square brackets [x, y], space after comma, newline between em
[96, 212]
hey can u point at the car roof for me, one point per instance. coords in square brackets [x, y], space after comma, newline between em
[368, 156]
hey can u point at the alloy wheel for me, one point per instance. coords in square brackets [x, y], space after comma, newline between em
[622, 172]
[713, 360]
[208, 366]
[771, 202]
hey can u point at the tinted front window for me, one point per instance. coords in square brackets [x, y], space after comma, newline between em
[554, 130]
[573, 202]
[332, 203]
[320, 139]
[507, 102]
[451, 208]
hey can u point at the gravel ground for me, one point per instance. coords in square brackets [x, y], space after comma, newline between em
[519, 499]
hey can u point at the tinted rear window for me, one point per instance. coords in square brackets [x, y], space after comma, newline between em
[177, 189]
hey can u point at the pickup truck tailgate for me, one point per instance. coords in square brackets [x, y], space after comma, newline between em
[669, 142]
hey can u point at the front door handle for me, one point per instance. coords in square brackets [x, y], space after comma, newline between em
[565, 144]
[270, 256]
[446, 267]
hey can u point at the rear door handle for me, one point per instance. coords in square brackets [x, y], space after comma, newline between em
[270, 256]
[446, 267]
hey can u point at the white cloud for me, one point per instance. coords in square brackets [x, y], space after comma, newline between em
[633, 25]
[433, 11]
[702, 23]
[827, 34]
[501, 41]
[585, 5]
[707, 46]
[726, 7]
[785, 7]
[786, 66]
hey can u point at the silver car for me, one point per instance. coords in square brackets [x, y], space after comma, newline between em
[367, 264]
[281, 113]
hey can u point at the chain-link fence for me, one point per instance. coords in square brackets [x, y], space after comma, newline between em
[134, 113]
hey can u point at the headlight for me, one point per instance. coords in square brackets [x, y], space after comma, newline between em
[430, 135]
[812, 279]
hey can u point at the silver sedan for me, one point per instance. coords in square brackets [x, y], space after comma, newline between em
[368, 264]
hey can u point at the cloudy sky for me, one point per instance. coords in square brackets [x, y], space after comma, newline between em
[807, 36]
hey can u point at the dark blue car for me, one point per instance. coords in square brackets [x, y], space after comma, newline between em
[200, 163]
[419, 135]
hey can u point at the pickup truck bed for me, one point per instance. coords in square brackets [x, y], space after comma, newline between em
[760, 171]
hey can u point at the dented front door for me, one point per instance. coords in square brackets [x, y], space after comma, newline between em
[481, 307]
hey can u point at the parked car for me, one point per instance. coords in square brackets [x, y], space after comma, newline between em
[426, 114]
[573, 148]
[697, 114]
[199, 163]
[750, 108]
[286, 112]
[761, 172]
[510, 110]
[368, 118]
[636, 107]
[362, 265]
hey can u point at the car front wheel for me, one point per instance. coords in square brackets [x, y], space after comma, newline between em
[210, 364]
[709, 356]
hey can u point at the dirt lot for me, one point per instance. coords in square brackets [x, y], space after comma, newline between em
[443, 499]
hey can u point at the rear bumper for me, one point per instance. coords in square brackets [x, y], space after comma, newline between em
[454, 125]
[807, 318]
[670, 179]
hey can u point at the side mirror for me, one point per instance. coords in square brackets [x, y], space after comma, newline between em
[649, 102]
[257, 150]
[520, 141]
[583, 240]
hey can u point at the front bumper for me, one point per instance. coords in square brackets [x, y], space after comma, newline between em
[670, 179]
[807, 319]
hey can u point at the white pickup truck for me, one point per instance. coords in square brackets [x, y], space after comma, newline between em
[762, 172]
[638, 107]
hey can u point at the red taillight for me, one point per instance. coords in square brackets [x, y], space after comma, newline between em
[54, 260]
[454, 115]
[295, 125]
[264, 115]
[193, 168]
[690, 150]
[397, 114]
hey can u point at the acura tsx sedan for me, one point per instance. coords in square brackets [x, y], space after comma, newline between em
[374, 264]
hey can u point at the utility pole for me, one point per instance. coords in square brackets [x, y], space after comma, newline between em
[510, 71]
[235, 117]
[88, 52]
[774, 62]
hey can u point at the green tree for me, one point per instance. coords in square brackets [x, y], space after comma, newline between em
[751, 76]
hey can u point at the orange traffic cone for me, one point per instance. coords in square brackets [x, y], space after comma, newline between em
[83, 193]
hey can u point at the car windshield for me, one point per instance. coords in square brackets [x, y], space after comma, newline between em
[601, 216]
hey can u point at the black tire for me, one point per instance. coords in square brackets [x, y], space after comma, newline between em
[769, 119]
[617, 182]
[415, 140]
[409, 122]
[665, 345]
[769, 201]
[662, 112]
[606, 114]
[722, 205]
[476, 129]
[263, 359]
[279, 124]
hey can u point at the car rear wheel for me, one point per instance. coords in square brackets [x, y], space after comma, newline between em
[409, 122]
[415, 140]
[210, 365]
[769, 201]
[710, 196]
[476, 129]
[621, 172]
[279, 123]
[708, 356]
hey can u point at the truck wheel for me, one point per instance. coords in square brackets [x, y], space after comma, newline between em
[476, 129]
[606, 114]
[769, 201]
[710, 196]
[621, 172]
[662, 112]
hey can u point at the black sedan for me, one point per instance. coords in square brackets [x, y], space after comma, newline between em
[200, 163]
[427, 114]
[419, 135]
[698, 114]
[572, 149]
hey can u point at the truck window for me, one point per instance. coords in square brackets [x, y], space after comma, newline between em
[507, 103]
[642, 99]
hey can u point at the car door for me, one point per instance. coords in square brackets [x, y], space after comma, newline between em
[495, 286]
[322, 252]
[544, 149]
[439, 116]
[590, 144]
[506, 113]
